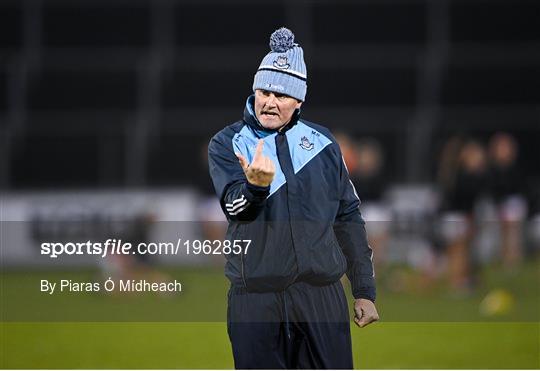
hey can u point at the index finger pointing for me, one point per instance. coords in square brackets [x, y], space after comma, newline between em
[259, 149]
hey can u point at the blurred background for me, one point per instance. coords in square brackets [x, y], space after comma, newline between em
[107, 106]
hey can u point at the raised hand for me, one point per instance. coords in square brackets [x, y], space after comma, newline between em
[261, 170]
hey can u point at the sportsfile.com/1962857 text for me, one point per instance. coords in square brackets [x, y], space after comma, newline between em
[113, 246]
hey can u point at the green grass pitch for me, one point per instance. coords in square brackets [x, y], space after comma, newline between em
[400, 340]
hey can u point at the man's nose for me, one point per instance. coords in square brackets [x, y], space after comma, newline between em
[271, 101]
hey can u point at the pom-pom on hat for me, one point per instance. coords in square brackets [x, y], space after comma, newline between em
[283, 69]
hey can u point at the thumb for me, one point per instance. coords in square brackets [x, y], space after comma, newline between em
[359, 318]
[243, 162]
[359, 322]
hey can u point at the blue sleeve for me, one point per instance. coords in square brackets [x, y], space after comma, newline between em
[240, 200]
[350, 231]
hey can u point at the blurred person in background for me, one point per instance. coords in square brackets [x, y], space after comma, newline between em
[506, 186]
[448, 165]
[145, 264]
[136, 229]
[463, 176]
[283, 185]
[534, 212]
[368, 175]
[365, 160]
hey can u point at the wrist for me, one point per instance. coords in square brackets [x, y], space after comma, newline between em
[255, 192]
[257, 183]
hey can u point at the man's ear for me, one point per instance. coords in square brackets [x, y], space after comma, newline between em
[299, 104]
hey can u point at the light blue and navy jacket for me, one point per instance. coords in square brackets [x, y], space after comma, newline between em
[306, 226]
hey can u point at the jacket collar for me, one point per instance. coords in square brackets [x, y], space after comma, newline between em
[251, 119]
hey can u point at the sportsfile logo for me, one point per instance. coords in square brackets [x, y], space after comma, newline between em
[118, 247]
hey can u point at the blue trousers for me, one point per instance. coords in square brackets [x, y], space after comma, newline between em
[305, 326]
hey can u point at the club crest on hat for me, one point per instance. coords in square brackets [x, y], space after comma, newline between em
[281, 62]
[306, 144]
[283, 69]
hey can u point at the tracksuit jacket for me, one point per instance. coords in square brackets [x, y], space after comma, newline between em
[306, 226]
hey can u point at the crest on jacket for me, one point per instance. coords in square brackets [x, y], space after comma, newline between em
[281, 62]
[306, 144]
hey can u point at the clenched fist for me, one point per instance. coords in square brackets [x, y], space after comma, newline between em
[365, 312]
[261, 170]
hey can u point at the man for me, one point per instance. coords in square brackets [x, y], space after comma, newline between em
[283, 185]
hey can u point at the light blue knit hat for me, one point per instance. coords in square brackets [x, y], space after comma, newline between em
[283, 69]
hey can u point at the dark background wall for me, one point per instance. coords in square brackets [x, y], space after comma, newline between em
[118, 93]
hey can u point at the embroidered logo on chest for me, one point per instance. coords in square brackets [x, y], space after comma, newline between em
[306, 144]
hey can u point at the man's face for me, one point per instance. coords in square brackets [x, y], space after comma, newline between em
[274, 110]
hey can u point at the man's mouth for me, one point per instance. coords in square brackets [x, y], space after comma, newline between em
[265, 113]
